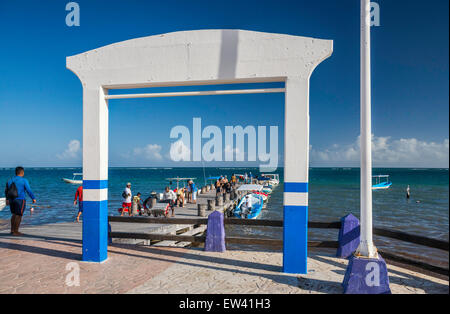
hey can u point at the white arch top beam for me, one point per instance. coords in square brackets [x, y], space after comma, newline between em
[199, 58]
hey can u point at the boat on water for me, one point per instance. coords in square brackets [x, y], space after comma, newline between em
[263, 195]
[2, 203]
[214, 179]
[272, 178]
[267, 189]
[249, 207]
[382, 182]
[74, 180]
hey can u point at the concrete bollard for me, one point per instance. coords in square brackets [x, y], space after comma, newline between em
[211, 205]
[226, 197]
[203, 190]
[202, 210]
[208, 187]
[358, 278]
[348, 236]
[219, 200]
[215, 233]
[212, 187]
[153, 202]
[109, 231]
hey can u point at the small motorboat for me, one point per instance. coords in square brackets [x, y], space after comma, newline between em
[381, 185]
[266, 189]
[249, 207]
[272, 178]
[2, 203]
[74, 180]
[263, 195]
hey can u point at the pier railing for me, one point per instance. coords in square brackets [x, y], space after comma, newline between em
[204, 221]
[406, 262]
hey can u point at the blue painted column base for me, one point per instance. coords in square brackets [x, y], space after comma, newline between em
[215, 233]
[95, 231]
[348, 236]
[366, 276]
[295, 240]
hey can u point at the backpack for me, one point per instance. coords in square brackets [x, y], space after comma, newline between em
[124, 194]
[11, 192]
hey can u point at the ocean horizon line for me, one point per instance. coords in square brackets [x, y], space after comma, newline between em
[217, 167]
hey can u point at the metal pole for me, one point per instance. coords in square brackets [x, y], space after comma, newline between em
[366, 247]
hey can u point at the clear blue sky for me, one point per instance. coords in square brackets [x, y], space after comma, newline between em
[41, 101]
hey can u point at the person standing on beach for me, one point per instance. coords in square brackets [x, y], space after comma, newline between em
[79, 196]
[15, 193]
[126, 204]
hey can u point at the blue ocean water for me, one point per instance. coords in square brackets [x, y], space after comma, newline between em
[334, 192]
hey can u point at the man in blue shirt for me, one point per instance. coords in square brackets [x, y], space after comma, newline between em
[17, 205]
[193, 192]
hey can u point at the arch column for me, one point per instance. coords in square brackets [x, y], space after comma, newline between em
[95, 174]
[296, 166]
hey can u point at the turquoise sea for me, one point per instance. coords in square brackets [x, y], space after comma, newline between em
[334, 192]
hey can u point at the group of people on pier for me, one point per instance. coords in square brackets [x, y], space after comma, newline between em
[177, 197]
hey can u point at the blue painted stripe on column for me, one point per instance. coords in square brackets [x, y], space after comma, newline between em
[296, 187]
[95, 231]
[295, 239]
[95, 184]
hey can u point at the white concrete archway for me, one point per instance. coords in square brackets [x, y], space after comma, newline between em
[202, 57]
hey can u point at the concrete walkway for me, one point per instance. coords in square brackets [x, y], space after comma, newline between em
[43, 265]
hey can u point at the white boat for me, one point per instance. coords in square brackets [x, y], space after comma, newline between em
[267, 190]
[381, 185]
[272, 178]
[250, 188]
[249, 213]
[74, 180]
[2, 203]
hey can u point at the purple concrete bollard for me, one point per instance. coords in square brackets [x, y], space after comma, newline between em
[348, 236]
[109, 230]
[215, 234]
[366, 276]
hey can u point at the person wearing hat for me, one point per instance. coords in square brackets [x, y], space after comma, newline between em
[126, 195]
[193, 194]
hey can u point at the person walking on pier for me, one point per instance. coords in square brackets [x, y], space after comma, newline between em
[180, 197]
[233, 180]
[193, 194]
[126, 204]
[170, 197]
[15, 193]
[79, 196]
[136, 206]
[218, 188]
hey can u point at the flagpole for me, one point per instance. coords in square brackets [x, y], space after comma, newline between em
[366, 247]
